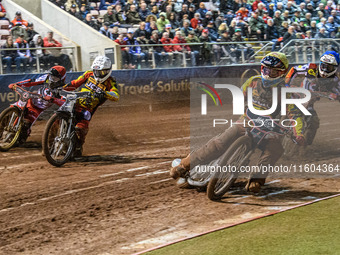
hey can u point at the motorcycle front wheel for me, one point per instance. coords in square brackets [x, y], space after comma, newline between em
[10, 128]
[58, 146]
[221, 181]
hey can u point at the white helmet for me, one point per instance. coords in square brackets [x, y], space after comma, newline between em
[102, 68]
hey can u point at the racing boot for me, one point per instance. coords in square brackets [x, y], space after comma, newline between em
[81, 134]
[181, 169]
[254, 184]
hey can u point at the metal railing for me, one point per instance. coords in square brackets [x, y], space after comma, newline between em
[308, 50]
[72, 51]
[220, 54]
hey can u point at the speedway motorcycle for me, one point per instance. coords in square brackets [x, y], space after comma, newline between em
[60, 138]
[12, 126]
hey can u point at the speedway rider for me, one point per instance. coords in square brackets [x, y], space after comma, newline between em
[102, 86]
[49, 91]
[322, 80]
[274, 67]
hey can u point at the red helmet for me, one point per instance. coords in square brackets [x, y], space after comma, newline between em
[56, 76]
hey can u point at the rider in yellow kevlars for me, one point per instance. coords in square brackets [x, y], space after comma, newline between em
[274, 67]
[102, 86]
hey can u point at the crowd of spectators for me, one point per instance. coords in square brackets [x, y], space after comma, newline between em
[220, 20]
[20, 38]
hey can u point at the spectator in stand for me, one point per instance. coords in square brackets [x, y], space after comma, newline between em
[84, 2]
[303, 26]
[135, 52]
[257, 26]
[142, 28]
[311, 10]
[232, 27]
[169, 49]
[149, 19]
[207, 19]
[230, 49]
[322, 34]
[289, 35]
[173, 21]
[182, 50]
[120, 16]
[124, 50]
[261, 8]
[331, 27]
[73, 10]
[271, 31]
[335, 16]
[168, 11]
[82, 13]
[279, 7]
[9, 57]
[99, 22]
[144, 12]
[255, 5]
[115, 33]
[106, 3]
[308, 17]
[178, 5]
[155, 11]
[89, 21]
[44, 59]
[24, 54]
[222, 28]
[142, 40]
[322, 24]
[186, 28]
[153, 27]
[296, 17]
[30, 32]
[337, 36]
[290, 9]
[206, 48]
[56, 55]
[18, 30]
[128, 5]
[314, 29]
[169, 31]
[202, 10]
[212, 31]
[219, 20]
[195, 49]
[18, 20]
[196, 20]
[59, 3]
[2, 12]
[105, 30]
[284, 28]
[243, 13]
[162, 21]
[183, 11]
[303, 8]
[191, 10]
[309, 35]
[69, 4]
[161, 57]
[132, 16]
[110, 16]
[271, 10]
[321, 8]
[286, 17]
[277, 19]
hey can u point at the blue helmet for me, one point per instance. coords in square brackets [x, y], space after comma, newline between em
[329, 62]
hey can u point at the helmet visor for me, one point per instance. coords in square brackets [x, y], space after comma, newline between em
[324, 67]
[272, 72]
[101, 73]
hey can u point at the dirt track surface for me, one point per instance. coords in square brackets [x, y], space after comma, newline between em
[120, 199]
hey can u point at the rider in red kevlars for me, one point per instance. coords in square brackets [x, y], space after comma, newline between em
[54, 79]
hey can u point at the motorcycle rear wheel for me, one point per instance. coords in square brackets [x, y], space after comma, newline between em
[220, 182]
[57, 147]
[10, 129]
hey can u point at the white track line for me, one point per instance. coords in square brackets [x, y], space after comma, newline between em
[90, 187]
[135, 169]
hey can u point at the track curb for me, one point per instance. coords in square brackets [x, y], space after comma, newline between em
[235, 224]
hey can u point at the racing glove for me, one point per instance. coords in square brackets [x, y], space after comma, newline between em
[12, 86]
[300, 140]
[333, 96]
